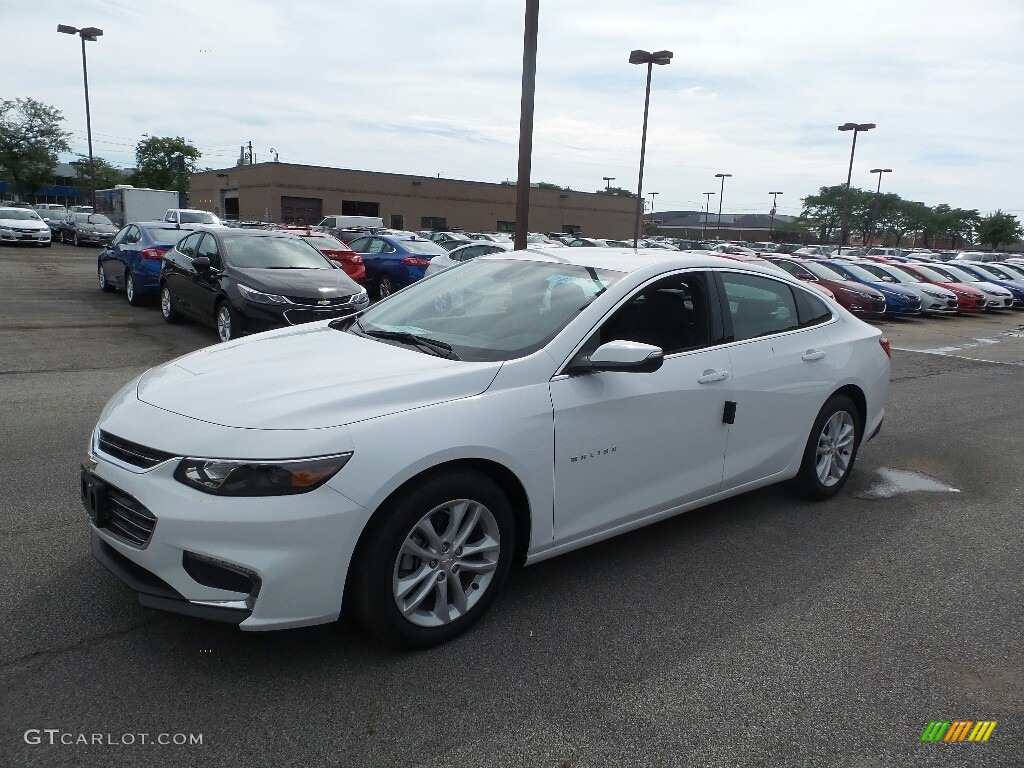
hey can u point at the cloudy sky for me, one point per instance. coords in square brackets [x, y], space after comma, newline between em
[756, 89]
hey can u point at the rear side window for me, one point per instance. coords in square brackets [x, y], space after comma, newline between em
[759, 306]
[811, 309]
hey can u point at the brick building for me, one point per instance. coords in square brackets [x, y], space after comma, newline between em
[303, 194]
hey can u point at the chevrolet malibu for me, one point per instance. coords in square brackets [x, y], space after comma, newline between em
[398, 462]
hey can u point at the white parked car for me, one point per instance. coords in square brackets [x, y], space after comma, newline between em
[521, 406]
[464, 252]
[23, 225]
[934, 298]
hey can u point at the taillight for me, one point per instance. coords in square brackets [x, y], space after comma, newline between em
[152, 253]
[886, 346]
[355, 258]
[415, 261]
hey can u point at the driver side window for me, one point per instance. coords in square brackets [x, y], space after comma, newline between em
[673, 314]
[208, 248]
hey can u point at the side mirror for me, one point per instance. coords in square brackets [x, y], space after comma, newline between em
[619, 355]
[201, 263]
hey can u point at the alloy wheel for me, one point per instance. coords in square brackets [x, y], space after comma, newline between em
[446, 563]
[225, 329]
[835, 448]
[385, 289]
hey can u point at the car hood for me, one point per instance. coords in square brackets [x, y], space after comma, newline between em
[307, 377]
[97, 227]
[306, 283]
[22, 223]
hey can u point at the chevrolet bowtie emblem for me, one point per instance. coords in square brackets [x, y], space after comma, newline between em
[324, 301]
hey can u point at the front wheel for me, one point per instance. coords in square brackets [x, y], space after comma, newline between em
[432, 562]
[167, 309]
[75, 239]
[385, 287]
[227, 324]
[831, 449]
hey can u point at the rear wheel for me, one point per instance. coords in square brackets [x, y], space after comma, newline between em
[102, 277]
[831, 449]
[171, 315]
[432, 562]
[129, 288]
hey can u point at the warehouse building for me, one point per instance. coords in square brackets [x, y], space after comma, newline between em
[289, 193]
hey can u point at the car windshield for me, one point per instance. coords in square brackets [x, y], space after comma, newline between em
[823, 271]
[164, 235]
[794, 269]
[98, 218]
[994, 271]
[902, 276]
[934, 275]
[960, 274]
[860, 273]
[328, 242]
[422, 246]
[19, 214]
[1015, 272]
[198, 217]
[272, 253]
[490, 309]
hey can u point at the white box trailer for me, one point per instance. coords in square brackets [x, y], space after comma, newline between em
[125, 204]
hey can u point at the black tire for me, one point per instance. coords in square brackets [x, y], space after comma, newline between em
[229, 327]
[131, 291]
[46, 244]
[74, 241]
[385, 287]
[170, 314]
[101, 277]
[808, 481]
[371, 588]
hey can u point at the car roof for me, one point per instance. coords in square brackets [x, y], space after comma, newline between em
[630, 260]
[226, 231]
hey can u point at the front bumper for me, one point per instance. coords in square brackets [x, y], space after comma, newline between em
[94, 237]
[265, 317]
[263, 562]
[25, 236]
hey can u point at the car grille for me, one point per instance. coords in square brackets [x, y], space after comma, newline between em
[131, 453]
[299, 316]
[878, 306]
[124, 517]
[334, 301]
[951, 303]
[915, 303]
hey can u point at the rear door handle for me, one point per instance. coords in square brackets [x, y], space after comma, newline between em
[813, 354]
[710, 376]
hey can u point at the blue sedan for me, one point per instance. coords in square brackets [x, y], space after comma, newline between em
[131, 261]
[898, 301]
[394, 261]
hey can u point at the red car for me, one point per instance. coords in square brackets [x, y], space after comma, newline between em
[856, 297]
[333, 249]
[765, 262]
[968, 299]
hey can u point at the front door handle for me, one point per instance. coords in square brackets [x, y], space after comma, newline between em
[710, 376]
[812, 354]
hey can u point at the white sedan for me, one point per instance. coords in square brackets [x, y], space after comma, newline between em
[523, 405]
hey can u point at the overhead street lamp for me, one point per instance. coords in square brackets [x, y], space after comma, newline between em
[707, 212]
[771, 222]
[608, 181]
[650, 59]
[90, 34]
[526, 105]
[856, 128]
[878, 190]
[721, 194]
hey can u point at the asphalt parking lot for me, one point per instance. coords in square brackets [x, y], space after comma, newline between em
[762, 631]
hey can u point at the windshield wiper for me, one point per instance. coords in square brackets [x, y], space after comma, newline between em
[439, 348]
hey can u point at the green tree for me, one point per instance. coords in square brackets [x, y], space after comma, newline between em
[616, 192]
[30, 138]
[823, 210]
[162, 162]
[107, 175]
[548, 185]
[999, 229]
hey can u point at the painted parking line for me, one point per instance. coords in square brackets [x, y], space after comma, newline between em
[975, 344]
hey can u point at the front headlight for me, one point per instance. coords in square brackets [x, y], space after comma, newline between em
[934, 294]
[259, 297]
[226, 477]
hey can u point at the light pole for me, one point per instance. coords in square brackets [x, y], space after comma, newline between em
[608, 181]
[771, 222]
[526, 105]
[90, 34]
[878, 191]
[721, 194]
[856, 128]
[707, 212]
[644, 57]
